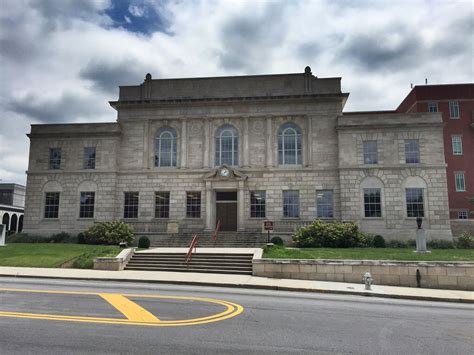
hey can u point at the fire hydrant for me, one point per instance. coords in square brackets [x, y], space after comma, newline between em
[367, 280]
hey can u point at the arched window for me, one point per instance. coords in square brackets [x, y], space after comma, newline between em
[6, 221]
[165, 147]
[14, 223]
[20, 223]
[227, 146]
[289, 144]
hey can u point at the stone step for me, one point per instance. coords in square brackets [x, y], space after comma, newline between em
[193, 265]
[207, 271]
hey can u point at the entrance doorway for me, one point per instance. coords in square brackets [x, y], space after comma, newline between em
[226, 210]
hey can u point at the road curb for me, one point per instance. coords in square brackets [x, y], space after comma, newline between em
[262, 287]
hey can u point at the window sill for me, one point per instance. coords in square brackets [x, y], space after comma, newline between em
[291, 218]
[373, 218]
[86, 219]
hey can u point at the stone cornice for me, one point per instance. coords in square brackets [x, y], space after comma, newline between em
[73, 135]
[393, 166]
[369, 126]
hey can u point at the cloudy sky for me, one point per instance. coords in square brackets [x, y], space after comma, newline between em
[62, 60]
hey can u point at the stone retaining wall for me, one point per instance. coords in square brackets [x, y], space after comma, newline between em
[441, 275]
[114, 263]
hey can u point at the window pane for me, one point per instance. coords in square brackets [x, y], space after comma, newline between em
[86, 208]
[370, 152]
[324, 204]
[193, 204]
[463, 215]
[130, 206]
[432, 107]
[257, 204]
[414, 200]
[227, 146]
[412, 151]
[165, 148]
[89, 158]
[289, 144]
[51, 205]
[55, 158]
[457, 145]
[6, 197]
[291, 204]
[454, 109]
[372, 203]
[459, 180]
[162, 204]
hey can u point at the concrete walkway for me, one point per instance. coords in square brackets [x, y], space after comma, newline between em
[241, 281]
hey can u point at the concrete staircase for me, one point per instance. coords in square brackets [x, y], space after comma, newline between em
[224, 240]
[216, 263]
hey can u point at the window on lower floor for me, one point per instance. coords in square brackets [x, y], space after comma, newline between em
[86, 208]
[162, 204]
[463, 214]
[432, 107]
[193, 204]
[457, 145]
[372, 203]
[414, 200]
[412, 151]
[257, 204]
[459, 181]
[51, 205]
[291, 203]
[324, 204]
[130, 205]
[370, 152]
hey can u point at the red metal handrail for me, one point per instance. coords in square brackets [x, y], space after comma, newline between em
[189, 255]
[218, 227]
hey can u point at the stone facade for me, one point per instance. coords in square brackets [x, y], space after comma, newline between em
[256, 107]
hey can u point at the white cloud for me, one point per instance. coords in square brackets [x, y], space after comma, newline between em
[62, 61]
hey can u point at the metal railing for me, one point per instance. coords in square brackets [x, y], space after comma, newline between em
[193, 245]
[216, 231]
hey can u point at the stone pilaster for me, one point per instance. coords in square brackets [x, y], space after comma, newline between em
[184, 135]
[240, 207]
[207, 143]
[269, 143]
[209, 207]
[309, 142]
[245, 143]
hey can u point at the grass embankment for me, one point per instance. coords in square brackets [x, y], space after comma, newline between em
[403, 254]
[53, 255]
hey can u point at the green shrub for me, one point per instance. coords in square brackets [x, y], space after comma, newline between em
[144, 242]
[465, 241]
[397, 244]
[81, 238]
[27, 238]
[277, 241]
[440, 244]
[366, 240]
[108, 233]
[379, 241]
[62, 237]
[320, 234]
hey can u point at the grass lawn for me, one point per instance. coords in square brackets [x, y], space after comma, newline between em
[404, 254]
[53, 255]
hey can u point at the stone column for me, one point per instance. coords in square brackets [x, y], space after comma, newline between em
[245, 144]
[209, 209]
[269, 142]
[149, 151]
[184, 137]
[240, 207]
[309, 144]
[207, 143]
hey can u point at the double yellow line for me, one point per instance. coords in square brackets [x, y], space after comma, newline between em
[134, 314]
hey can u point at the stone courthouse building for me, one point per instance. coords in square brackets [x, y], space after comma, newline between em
[185, 153]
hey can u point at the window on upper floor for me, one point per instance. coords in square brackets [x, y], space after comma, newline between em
[454, 109]
[412, 151]
[6, 197]
[370, 152]
[86, 207]
[289, 144]
[372, 203]
[457, 145]
[414, 202]
[130, 205]
[165, 147]
[459, 182]
[324, 204]
[54, 158]
[51, 205]
[89, 158]
[464, 214]
[291, 203]
[257, 204]
[227, 146]
[162, 204]
[432, 107]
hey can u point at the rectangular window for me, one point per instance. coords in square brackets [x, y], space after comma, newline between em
[51, 205]
[89, 158]
[454, 109]
[457, 145]
[130, 205]
[370, 152]
[414, 200]
[257, 204]
[291, 204]
[162, 205]
[324, 204]
[459, 180]
[6, 197]
[412, 151]
[86, 208]
[54, 158]
[372, 203]
[462, 214]
[193, 204]
[432, 107]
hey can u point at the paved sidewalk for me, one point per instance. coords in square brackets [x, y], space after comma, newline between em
[242, 281]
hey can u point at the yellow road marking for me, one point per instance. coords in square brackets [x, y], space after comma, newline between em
[135, 314]
[129, 309]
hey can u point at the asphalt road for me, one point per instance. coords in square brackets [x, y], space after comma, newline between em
[268, 322]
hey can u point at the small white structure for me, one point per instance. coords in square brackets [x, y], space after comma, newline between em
[2, 234]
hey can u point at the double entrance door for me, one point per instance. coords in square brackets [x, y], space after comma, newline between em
[226, 210]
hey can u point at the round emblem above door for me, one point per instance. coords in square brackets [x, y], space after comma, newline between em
[224, 172]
